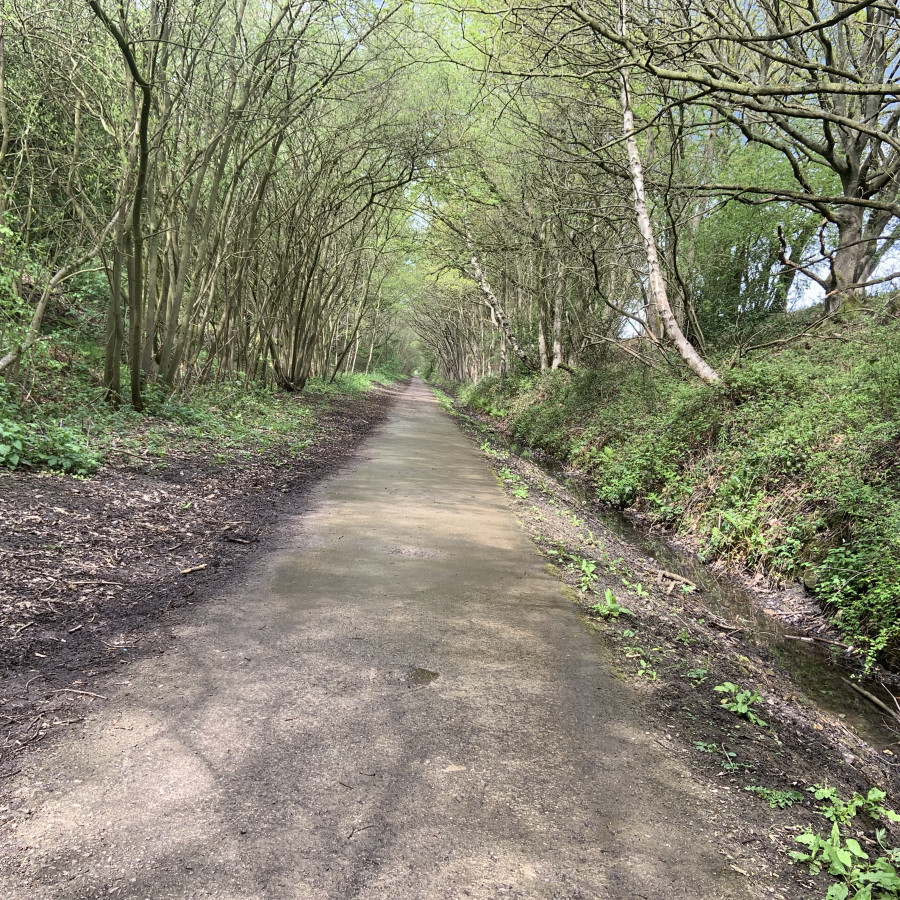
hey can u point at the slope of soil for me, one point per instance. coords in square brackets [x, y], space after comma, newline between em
[675, 651]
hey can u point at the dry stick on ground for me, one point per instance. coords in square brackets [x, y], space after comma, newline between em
[663, 573]
[813, 639]
[73, 691]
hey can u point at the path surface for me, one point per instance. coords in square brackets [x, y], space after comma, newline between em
[292, 744]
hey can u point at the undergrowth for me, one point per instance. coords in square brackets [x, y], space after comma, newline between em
[58, 419]
[788, 466]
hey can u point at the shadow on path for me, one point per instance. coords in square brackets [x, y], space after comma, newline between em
[289, 744]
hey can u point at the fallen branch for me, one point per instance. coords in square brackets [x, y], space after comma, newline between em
[193, 569]
[810, 639]
[723, 626]
[672, 576]
[73, 691]
[873, 699]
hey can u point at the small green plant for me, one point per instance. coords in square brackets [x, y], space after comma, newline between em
[851, 865]
[11, 447]
[645, 670]
[488, 450]
[609, 607]
[588, 574]
[640, 590]
[697, 675]
[840, 812]
[521, 492]
[776, 799]
[741, 701]
[730, 764]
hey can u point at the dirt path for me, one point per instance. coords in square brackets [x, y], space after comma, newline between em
[399, 703]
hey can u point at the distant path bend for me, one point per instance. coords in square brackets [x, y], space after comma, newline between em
[294, 744]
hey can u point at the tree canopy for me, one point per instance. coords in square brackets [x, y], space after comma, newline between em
[271, 191]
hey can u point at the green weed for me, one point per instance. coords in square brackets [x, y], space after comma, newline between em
[697, 675]
[840, 812]
[741, 702]
[588, 574]
[843, 858]
[609, 607]
[776, 799]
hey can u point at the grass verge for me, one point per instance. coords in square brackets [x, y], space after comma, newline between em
[788, 468]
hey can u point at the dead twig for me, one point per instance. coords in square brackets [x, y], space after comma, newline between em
[672, 576]
[118, 646]
[73, 691]
[819, 640]
[873, 699]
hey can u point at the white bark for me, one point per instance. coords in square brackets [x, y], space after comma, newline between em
[658, 294]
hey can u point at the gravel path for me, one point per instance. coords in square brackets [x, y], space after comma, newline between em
[397, 703]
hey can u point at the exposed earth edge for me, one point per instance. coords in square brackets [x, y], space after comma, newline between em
[95, 571]
[671, 634]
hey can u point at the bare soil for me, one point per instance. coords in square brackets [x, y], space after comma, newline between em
[677, 650]
[92, 569]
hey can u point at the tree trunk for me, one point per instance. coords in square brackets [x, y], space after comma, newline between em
[112, 367]
[478, 276]
[658, 296]
[558, 296]
[848, 262]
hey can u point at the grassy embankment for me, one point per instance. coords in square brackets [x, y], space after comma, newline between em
[53, 416]
[789, 466]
